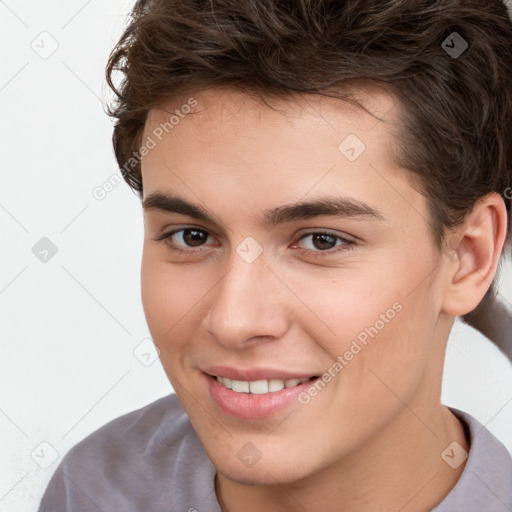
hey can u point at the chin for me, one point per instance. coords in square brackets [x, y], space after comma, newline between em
[265, 472]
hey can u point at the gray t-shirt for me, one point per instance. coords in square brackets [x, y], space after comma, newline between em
[150, 460]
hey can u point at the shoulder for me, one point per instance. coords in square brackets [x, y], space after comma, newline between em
[139, 461]
[136, 433]
[486, 482]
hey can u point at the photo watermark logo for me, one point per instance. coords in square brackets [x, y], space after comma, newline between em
[100, 192]
[349, 354]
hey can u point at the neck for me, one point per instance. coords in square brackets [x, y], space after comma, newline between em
[400, 470]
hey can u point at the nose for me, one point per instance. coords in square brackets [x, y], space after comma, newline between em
[247, 306]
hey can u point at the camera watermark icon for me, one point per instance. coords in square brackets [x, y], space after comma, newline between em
[249, 455]
[134, 160]
[44, 455]
[454, 455]
[44, 250]
[45, 45]
[249, 249]
[454, 45]
[146, 352]
[351, 147]
[101, 191]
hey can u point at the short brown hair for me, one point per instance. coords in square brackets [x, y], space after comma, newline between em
[456, 135]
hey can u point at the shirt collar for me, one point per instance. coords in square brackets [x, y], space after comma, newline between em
[486, 482]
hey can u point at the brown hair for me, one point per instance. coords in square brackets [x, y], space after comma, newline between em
[456, 135]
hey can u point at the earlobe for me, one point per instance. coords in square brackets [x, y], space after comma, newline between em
[475, 251]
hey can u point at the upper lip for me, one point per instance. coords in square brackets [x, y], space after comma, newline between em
[252, 374]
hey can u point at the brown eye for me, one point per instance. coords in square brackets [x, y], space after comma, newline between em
[323, 244]
[194, 237]
[181, 239]
[321, 241]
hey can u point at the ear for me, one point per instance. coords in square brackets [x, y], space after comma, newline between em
[475, 252]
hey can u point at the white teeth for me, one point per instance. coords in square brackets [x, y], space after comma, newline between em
[240, 386]
[259, 387]
[226, 382]
[275, 385]
[291, 382]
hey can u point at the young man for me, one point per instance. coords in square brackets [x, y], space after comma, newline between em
[323, 186]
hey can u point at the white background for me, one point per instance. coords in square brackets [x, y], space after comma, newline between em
[71, 327]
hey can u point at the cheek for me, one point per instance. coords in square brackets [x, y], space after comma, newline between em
[156, 301]
[377, 322]
[395, 353]
[346, 306]
[170, 297]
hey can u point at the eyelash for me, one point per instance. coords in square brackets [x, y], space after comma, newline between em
[345, 246]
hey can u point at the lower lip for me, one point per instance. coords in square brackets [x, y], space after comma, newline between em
[250, 406]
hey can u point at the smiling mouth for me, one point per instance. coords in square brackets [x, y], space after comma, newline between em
[260, 387]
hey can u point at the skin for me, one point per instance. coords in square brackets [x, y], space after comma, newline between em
[372, 438]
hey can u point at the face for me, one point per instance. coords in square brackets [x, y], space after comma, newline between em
[287, 258]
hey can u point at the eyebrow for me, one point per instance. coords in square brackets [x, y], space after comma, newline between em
[327, 206]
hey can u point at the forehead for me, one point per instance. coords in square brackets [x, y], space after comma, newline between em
[229, 133]
[224, 106]
[239, 156]
[242, 154]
